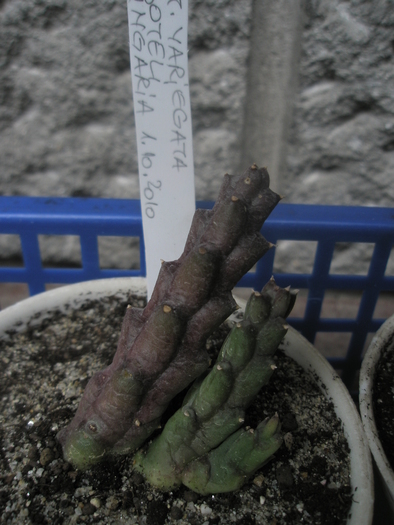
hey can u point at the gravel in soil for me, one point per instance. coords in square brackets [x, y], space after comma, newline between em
[44, 372]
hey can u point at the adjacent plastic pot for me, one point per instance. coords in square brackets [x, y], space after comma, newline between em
[384, 339]
[294, 345]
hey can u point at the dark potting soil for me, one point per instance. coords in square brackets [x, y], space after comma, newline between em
[383, 400]
[44, 371]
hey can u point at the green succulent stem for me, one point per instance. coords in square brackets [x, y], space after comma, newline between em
[203, 445]
[226, 468]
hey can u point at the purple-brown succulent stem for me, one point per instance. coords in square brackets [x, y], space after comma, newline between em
[161, 349]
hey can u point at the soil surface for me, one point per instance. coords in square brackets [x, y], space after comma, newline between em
[383, 400]
[44, 372]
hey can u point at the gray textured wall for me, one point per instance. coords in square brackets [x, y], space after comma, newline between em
[67, 125]
[66, 113]
[341, 149]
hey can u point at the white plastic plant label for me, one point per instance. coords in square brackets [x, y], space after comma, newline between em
[160, 79]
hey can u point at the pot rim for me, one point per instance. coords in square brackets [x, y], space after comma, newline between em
[331, 385]
[294, 345]
[384, 336]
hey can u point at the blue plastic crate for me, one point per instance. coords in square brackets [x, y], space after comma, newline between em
[29, 217]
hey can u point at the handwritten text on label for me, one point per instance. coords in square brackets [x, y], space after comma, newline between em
[159, 68]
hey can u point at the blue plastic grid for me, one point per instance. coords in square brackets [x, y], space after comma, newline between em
[29, 217]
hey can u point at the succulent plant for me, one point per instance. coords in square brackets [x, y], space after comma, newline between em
[203, 445]
[162, 350]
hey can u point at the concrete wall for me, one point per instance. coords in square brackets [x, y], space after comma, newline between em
[341, 148]
[67, 125]
[305, 87]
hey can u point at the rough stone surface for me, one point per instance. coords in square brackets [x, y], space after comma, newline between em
[342, 142]
[341, 146]
[67, 124]
[66, 113]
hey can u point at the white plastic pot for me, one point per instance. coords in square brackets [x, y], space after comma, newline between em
[383, 339]
[306, 355]
[294, 345]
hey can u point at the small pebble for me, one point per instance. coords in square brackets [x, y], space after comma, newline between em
[88, 509]
[176, 513]
[288, 440]
[33, 452]
[95, 502]
[205, 510]
[9, 479]
[189, 495]
[112, 503]
[258, 480]
[46, 456]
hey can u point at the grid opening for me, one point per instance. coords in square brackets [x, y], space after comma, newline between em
[352, 258]
[390, 263]
[60, 251]
[11, 293]
[384, 307]
[253, 269]
[298, 311]
[52, 286]
[333, 344]
[119, 252]
[294, 256]
[340, 304]
[11, 251]
[241, 295]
